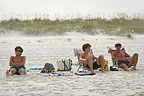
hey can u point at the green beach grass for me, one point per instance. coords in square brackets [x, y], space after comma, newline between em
[120, 26]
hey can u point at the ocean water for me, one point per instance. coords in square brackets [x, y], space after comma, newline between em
[41, 49]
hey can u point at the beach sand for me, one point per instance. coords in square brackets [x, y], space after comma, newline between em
[41, 49]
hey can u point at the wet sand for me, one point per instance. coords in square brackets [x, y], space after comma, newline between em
[41, 49]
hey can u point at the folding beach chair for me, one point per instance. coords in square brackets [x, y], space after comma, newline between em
[77, 53]
[115, 62]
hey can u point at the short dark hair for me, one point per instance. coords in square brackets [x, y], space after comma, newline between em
[18, 47]
[85, 46]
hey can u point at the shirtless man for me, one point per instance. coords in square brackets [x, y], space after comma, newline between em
[124, 60]
[17, 63]
[89, 60]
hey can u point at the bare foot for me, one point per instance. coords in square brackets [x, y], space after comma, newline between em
[7, 72]
[134, 68]
[92, 71]
[103, 70]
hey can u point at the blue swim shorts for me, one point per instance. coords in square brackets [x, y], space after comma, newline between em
[17, 68]
[95, 65]
[123, 62]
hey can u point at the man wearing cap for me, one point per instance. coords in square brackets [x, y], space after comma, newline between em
[124, 60]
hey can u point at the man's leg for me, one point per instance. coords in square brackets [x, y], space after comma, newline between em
[21, 71]
[133, 60]
[101, 62]
[124, 66]
[90, 62]
[7, 72]
[11, 72]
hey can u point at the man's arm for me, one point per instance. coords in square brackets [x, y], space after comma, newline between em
[114, 57]
[81, 59]
[11, 63]
[23, 61]
[94, 57]
[123, 59]
[127, 55]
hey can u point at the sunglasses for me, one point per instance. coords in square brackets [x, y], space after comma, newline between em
[18, 51]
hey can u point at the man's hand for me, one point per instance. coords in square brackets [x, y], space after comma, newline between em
[126, 59]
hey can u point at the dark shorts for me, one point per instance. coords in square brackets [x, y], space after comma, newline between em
[123, 62]
[95, 65]
[17, 68]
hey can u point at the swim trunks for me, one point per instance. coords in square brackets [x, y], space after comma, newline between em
[95, 65]
[17, 68]
[123, 62]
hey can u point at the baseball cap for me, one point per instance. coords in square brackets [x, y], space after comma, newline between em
[118, 44]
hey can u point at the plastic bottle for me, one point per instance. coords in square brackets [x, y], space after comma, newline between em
[71, 72]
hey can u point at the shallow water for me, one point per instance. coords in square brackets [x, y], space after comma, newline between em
[40, 50]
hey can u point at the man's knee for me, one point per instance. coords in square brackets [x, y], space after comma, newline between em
[101, 57]
[135, 55]
[21, 71]
[13, 70]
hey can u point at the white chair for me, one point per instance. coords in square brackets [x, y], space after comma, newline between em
[115, 62]
[77, 53]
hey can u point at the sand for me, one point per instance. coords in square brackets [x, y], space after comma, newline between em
[41, 49]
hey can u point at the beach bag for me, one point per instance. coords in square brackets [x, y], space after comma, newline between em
[64, 65]
[106, 66]
[48, 67]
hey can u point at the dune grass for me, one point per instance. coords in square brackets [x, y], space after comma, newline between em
[121, 26]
